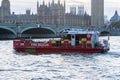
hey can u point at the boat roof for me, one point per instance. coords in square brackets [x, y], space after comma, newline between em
[78, 31]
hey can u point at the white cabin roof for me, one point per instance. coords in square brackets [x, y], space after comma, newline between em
[78, 31]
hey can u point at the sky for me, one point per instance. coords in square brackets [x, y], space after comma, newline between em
[20, 6]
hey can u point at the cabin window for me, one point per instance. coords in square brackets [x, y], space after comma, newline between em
[73, 36]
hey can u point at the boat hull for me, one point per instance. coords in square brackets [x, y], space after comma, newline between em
[57, 50]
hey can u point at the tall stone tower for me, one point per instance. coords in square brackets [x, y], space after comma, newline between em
[97, 13]
[5, 8]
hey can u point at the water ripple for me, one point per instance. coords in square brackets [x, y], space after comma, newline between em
[63, 66]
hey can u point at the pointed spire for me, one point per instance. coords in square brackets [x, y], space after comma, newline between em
[116, 13]
[52, 1]
[43, 2]
[49, 4]
[59, 2]
[85, 13]
[37, 4]
[64, 4]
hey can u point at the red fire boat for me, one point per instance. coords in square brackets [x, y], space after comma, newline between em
[72, 40]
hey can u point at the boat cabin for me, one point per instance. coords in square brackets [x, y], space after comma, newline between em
[80, 37]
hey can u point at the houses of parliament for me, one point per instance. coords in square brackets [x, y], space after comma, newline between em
[49, 14]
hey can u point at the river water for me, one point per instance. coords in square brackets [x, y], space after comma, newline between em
[64, 66]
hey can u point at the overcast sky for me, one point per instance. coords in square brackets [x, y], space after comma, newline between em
[19, 6]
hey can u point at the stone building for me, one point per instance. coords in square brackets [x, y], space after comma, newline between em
[54, 13]
[97, 13]
[48, 14]
[27, 18]
[78, 20]
[7, 17]
[4, 9]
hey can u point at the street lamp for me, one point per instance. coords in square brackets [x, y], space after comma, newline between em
[17, 29]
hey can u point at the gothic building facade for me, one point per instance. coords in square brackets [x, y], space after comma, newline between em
[54, 14]
[7, 17]
[49, 14]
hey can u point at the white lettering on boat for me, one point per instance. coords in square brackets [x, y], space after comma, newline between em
[43, 44]
[39, 44]
[22, 44]
[33, 44]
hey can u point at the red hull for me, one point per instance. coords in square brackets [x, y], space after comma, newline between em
[56, 50]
